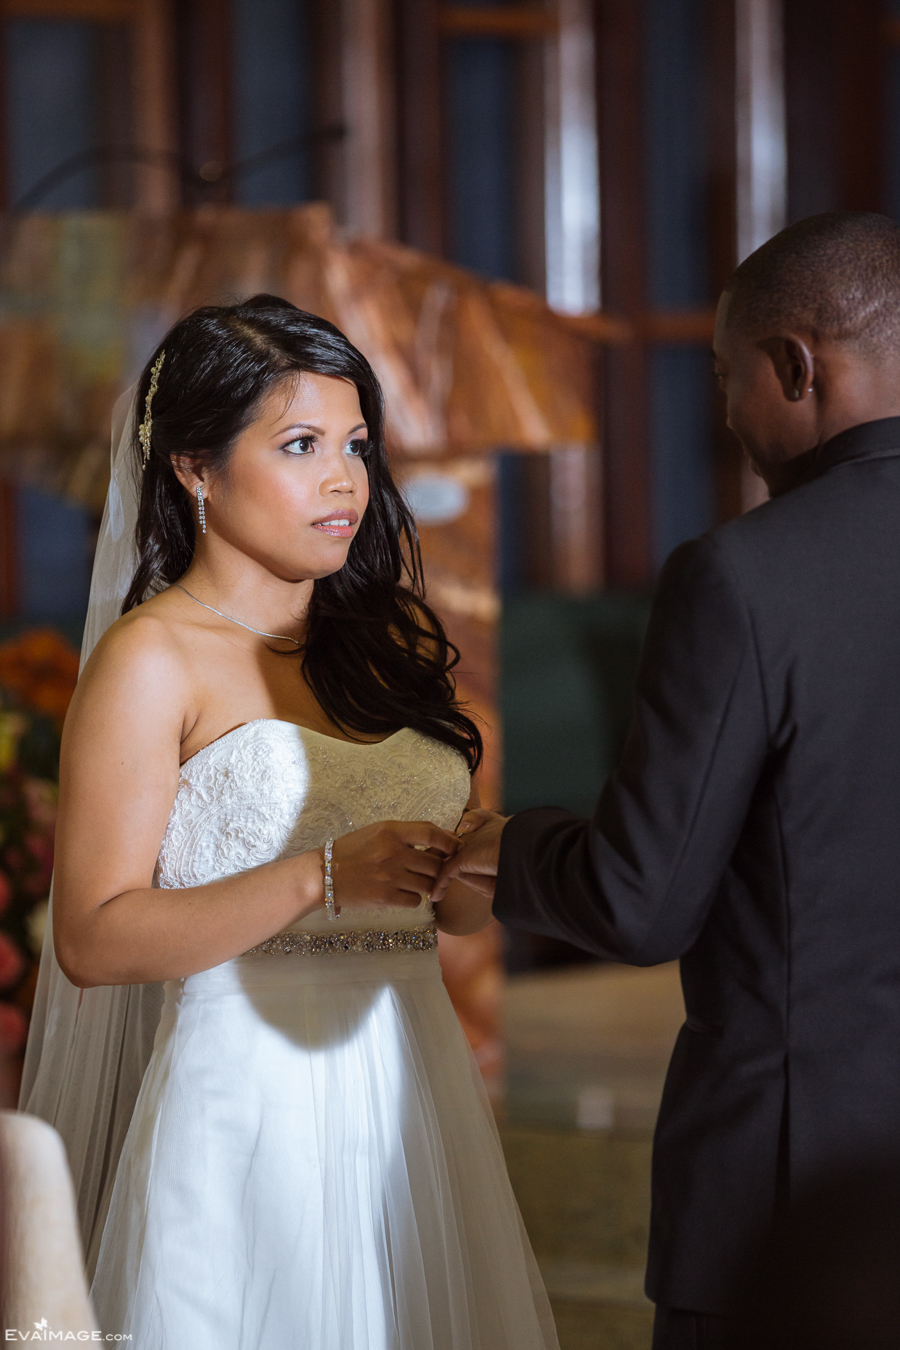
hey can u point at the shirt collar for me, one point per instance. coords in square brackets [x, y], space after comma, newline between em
[869, 440]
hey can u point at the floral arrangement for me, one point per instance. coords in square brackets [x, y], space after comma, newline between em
[38, 671]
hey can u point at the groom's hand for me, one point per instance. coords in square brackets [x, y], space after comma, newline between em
[475, 864]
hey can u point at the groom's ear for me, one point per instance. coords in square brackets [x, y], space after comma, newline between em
[793, 363]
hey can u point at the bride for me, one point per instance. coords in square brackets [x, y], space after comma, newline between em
[276, 1129]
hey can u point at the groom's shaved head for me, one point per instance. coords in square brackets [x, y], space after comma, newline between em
[834, 276]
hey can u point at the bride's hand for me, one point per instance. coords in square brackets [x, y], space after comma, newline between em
[475, 863]
[391, 863]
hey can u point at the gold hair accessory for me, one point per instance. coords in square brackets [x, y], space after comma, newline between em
[146, 425]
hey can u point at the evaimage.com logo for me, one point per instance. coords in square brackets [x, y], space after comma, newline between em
[44, 1332]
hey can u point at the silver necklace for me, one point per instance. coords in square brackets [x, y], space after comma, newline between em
[280, 637]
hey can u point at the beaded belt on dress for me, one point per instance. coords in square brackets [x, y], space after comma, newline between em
[355, 940]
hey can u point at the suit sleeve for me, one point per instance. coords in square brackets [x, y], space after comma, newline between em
[636, 881]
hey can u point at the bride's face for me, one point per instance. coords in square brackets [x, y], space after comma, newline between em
[295, 488]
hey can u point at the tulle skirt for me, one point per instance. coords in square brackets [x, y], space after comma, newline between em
[312, 1164]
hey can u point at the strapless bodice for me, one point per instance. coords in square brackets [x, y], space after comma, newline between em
[271, 789]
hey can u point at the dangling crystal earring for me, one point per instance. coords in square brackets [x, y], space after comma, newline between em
[201, 509]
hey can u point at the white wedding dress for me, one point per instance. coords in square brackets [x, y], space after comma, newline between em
[312, 1163]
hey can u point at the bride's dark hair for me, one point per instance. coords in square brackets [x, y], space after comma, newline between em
[376, 655]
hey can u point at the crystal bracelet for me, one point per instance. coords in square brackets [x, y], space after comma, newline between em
[329, 881]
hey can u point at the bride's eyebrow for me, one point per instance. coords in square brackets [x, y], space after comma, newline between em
[308, 426]
[300, 426]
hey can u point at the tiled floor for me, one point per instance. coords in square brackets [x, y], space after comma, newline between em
[587, 1046]
[587, 1052]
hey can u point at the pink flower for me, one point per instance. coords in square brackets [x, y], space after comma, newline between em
[13, 1029]
[40, 846]
[14, 858]
[11, 961]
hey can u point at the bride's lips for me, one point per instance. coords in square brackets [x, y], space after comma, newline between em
[339, 524]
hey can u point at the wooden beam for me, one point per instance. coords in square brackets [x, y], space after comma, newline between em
[114, 117]
[679, 326]
[688, 326]
[500, 21]
[4, 124]
[328, 154]
[530, 171]
[836, 79]
[420, 127]
[721, 128]
[719, 22]
[761, 187]
[98, 11]
[761, 152]
[157, 189]
[204, 80]
[368, 113]
[859, 61]
[811, 90]
[355, 88]
[571, 186]
[748, 179]
[576, 519]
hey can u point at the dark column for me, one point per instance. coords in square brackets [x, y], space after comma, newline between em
[812, 108]
[115, 110]
[420, 131]
[203, 39]
[834, 83]
[9, 540]
[727, 454]
[623, 267]
[859, 62]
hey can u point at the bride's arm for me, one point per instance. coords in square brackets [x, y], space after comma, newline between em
[119, 773]
[461, 909]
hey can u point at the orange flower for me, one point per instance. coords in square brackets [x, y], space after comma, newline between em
[40, 668]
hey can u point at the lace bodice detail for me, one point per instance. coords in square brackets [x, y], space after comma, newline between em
[271, 789]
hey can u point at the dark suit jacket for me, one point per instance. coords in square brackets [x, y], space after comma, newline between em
[752, 828]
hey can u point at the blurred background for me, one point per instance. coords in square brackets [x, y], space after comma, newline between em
[523, 214]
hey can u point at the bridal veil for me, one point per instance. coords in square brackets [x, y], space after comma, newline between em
[88, 1048]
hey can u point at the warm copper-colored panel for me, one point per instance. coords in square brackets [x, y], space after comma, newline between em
[155, 100]
[459, 557]
[679, 325]
[505, 21]
[466, 366]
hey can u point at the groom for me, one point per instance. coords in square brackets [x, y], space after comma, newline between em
[752, 827]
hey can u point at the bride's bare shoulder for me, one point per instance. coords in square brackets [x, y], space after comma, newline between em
[139, 663]
[141, 643]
